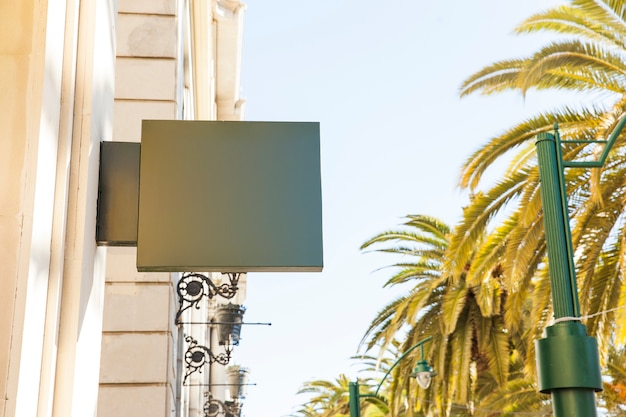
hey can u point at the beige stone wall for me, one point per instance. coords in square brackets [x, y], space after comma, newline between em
[22, 34]
[167, 67]
[139, 338]
[56, 107]
[74, 73]
[146, 67]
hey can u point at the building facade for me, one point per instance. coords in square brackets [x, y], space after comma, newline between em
[82, 333]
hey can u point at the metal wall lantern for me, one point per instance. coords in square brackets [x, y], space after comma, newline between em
[193, 287]
[198, 355]
[229, 319]
[214, 407]
[238, 380]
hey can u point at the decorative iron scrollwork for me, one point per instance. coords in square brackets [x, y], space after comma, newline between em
[192, 287]
[214, 407]
[197, 356]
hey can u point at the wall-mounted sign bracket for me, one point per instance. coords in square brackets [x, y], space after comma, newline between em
[193, 287]
[198, 355]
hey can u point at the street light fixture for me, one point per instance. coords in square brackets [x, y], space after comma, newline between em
[423, 373]
[568, 364]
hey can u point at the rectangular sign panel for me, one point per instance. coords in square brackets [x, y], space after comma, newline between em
[229, 197]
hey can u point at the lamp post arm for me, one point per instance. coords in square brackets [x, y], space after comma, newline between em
[605, 152]
[353, 387]
[412, 348]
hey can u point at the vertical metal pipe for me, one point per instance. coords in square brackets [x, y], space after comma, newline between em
[556, 221]
[569, 247]
[574, 402]
[355, 401]
[567, 359]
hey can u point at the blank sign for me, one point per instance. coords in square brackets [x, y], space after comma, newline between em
[229, 197]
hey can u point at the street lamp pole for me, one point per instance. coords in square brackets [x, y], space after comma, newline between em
[568, 363]
[422, 372]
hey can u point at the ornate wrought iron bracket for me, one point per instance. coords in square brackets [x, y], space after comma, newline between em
[192, 287]
[197, 356]
[214, 407]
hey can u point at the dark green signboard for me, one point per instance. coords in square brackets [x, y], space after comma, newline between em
[229, 197]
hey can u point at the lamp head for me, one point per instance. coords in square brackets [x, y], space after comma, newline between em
[237, 381]
[423, 373]
[230, 318]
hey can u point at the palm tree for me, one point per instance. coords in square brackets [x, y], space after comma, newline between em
[470, 347]
[614, 394]
[482, 289]
[331, 398]
[518, 396]
[589, 57]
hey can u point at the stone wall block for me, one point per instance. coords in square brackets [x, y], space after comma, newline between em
[128, 115]
[145, 79]
[167, 7]
[136, 307]
[133, 401]
[135, 358]
[141, 35]
[122, 267]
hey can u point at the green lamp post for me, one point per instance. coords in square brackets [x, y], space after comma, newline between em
[422, 372]
[567, 358]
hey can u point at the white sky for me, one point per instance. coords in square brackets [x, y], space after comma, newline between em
[382, 78]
